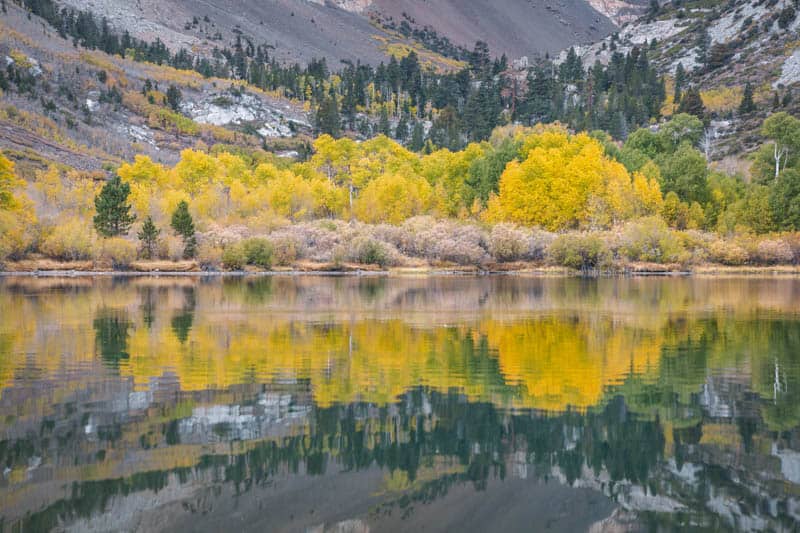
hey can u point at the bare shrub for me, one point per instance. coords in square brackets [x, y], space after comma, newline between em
[222, 236]
[118, 251]
[727, 253]
[285, 250]
[696, 244]
[317, 240]
[209, 256]
[581, 252]
[170, 247]
[538, 243]
[773, 251]
[446, 241]
[71, 240]
[509, 243]
[650, 239]
[368, 251]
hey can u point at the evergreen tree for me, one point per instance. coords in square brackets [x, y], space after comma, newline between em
[747, 105]
[384, 127]
[702, 43]
[680, 81]
[571, 70]
[538, 104]
[718, 56]
[482, 111]
[654, 10]
[149, 238]
[417, 137]
[174, 97]
[114, 215]
[183, 225]
[401, 132]
[784, 200]
[480, 60]
[328, 120]
[692, 103]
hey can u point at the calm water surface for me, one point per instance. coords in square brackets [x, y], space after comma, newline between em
[381, 404]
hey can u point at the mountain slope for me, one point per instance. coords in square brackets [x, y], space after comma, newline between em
[722, 47]
[512, 27]
[85, 109]
[347, 30]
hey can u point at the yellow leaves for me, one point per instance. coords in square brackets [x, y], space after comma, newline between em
[168, 200]
[142, 170]
[15, 235]
[332, 157]
[647, 195]
[448, 172]
[71, 194]
[9, 182]
[195, 171]
[722, 99]
[291, 196]
[393, 198]
[233, 169]
[20, 59]
[566, 182]
[265, 172]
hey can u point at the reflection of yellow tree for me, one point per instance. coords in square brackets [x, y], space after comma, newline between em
[350, 344]
[563, 362]
[547, 364]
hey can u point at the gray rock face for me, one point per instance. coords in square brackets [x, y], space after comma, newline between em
[340, 30]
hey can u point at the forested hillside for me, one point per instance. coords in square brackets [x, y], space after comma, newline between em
[120, 149]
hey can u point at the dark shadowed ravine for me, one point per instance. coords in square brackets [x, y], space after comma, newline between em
[355, 404]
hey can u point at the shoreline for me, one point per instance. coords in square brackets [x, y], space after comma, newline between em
[352, 270]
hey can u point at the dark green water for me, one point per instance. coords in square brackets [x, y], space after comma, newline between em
[383, 404]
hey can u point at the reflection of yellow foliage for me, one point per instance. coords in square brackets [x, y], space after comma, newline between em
[723, 435]
[349, 348]
[570, 363]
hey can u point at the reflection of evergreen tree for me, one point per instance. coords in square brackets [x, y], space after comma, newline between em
[111, 337]
[147, 306]
[182, 322]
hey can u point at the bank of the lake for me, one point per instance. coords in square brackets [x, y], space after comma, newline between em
[48, 267]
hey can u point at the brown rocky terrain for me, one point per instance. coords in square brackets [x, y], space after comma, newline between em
[345, 30]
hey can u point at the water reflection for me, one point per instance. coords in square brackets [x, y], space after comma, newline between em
[111, 336]
[396, 403]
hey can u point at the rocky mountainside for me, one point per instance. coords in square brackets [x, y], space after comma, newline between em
[352, 30]
[88, 110]
[721, 47]
[512, 27]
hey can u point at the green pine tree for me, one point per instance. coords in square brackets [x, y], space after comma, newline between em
[328, 120]
[174, 97]
[680, 80]
[747, 105]
[417, 137]
[114, 215]
[183, 225]
[692, 103]
[384, 127]
[149, 238]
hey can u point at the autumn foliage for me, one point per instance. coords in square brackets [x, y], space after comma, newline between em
[527, 194]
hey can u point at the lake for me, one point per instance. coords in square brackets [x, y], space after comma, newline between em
[355, 404]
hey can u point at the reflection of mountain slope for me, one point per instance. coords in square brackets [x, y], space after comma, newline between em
[337, 463]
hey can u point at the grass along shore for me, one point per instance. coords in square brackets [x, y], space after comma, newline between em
[49, 267]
